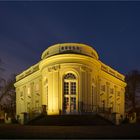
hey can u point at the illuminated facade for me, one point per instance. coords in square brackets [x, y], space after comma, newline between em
[69, 79]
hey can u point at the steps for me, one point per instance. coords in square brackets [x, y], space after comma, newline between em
[69, 120]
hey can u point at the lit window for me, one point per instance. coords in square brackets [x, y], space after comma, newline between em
[73, 87]
[66, 103]
[70, 95]
[69, 76]
[73, 103]
[66, 88]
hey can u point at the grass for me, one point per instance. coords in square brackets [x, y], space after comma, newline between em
[101, 131]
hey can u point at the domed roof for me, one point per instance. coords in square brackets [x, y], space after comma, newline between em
[70, 48]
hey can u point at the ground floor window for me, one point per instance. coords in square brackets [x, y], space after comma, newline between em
[70, 93]
[69, 104]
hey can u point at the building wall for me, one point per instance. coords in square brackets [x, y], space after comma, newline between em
[96, 88]
[112, 92]
[29, 94]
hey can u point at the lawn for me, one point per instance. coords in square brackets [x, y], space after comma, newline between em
[98, 131]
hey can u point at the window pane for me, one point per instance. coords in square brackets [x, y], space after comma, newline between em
[66, 103]
[69, 76]
[73, 87]
[73, 103]
[66, 88]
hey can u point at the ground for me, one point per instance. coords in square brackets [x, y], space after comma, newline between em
[98, 131]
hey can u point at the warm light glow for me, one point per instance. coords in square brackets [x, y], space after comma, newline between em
[77, 67]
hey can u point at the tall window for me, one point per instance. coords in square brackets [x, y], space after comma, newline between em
[73, 87]
[70, 93]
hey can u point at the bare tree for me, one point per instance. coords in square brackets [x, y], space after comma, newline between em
[7, 93]
[132, 88]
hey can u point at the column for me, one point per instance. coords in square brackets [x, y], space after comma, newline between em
[50, 93]
[107, 85]
[115, 95]
[55, 92]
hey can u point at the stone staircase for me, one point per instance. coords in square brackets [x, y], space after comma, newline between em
[69, 120]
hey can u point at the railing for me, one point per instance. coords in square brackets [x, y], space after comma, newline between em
[85, 108]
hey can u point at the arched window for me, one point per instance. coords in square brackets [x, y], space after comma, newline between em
[70, 84]
[69, 76]
[70, 93]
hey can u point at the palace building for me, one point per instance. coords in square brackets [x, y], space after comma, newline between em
[69, 79]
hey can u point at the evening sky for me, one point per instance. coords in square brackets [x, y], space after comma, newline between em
[111, 28]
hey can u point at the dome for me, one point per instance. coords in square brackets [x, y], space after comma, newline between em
[70, 48]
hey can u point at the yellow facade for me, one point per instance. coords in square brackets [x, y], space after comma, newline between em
[69, 79]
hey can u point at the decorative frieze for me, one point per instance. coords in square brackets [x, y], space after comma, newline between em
[84, 68]
[112, 72]
[53, 68]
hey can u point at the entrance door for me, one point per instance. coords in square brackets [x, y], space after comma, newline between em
[70, 94]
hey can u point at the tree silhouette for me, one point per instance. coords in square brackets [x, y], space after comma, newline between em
[132, 88]
[7, 93]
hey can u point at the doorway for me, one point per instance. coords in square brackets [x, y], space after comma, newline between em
[70, 94]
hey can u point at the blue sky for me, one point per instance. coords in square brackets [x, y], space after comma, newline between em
[28, 28]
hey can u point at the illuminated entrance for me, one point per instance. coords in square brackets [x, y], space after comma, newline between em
[70, 94]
